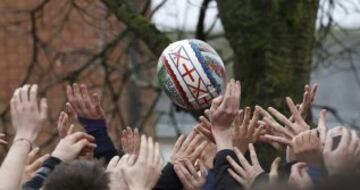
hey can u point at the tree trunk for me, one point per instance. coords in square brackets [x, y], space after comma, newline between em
[272, 42]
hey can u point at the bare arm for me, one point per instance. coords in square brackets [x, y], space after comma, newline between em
[14, 162]
[27, 118]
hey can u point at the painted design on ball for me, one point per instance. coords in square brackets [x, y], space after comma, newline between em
[191, 73]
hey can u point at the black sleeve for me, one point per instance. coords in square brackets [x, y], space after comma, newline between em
[223, 180]
[168, 179]
[288, 166]
[97, 128]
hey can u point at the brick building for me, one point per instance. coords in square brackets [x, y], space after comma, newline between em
[43, 41]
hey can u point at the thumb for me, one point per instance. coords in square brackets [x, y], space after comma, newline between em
[80, 145]
[274, 171]
[322, 125]
[70, 110]
[216, 102]
[43, 108]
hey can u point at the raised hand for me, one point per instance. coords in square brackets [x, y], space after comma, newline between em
[71, 146]
[33, 164]
[2, 141]
[188, 148]
[117, 180]
[130, 141]
[299, 178]
[321, 127]
[143, 173]
[82, 103]
[268, 130]
[344, 158]
[224, 108]
[245, 129]
[307, 148]
[245, 173]
[64, 126]
[308, 99]
[294, 127]
[222, 114]
[27, 113]
[189, 177]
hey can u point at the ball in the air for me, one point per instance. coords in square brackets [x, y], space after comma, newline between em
[191, 73]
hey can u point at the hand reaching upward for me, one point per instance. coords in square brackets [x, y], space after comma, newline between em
[82, 103]
[245, 173]
[27, 113]
[224, 108]
[222, 114]
[189, 176]
[142, 173]
[245, 129]
[130, 141]
[188, 148]
[342, 159]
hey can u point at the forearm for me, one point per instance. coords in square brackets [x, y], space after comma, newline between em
[13, 166]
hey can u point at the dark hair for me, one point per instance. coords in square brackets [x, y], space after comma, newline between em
[77, 175]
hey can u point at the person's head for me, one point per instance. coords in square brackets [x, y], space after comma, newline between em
[77, 175]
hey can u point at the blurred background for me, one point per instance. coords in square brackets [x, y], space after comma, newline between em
[274, 47]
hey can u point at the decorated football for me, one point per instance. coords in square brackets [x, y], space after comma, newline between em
[191, 73]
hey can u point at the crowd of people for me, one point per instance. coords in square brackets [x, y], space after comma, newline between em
[219, 152]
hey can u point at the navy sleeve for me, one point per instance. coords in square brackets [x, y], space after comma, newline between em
[37, 181]
[168, 179]
[316, 174]
[209, 184]
[97, 128]
[223, 180]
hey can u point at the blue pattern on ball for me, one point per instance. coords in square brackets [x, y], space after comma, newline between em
[202, 61]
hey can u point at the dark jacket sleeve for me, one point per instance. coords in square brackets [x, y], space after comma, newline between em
[288, 166]
[223, 180]
[37, 181]
[97, 128]
[168, 179]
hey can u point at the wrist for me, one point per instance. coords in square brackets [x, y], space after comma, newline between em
[137, 187]
[223, 139]
[28, 136]
[222, 144]
[59, 156]
[242, 147]
[21, 142]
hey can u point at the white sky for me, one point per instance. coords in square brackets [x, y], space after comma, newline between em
[183, 14]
